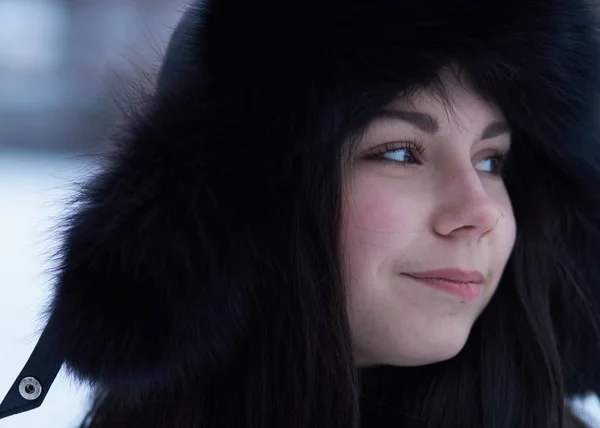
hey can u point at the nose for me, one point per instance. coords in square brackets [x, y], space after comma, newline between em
[465, 209]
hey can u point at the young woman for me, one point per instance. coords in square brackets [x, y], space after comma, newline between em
[347, 214]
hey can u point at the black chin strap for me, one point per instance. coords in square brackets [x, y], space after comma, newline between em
[30, 388]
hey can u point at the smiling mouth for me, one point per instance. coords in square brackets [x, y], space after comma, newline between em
[463, 284]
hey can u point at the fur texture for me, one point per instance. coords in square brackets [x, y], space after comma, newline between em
[157, 282]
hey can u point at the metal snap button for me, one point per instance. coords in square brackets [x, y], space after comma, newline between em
[30, 388]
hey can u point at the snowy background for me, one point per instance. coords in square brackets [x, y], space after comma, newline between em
[62, 63]
[33, 187]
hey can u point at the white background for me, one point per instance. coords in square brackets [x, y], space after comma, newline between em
[32, 191]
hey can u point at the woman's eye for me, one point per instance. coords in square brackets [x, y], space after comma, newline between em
[409, 154]
[404, 154]
[492, 164]
[401, 155]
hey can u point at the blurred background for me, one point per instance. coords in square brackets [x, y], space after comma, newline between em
[62, 63]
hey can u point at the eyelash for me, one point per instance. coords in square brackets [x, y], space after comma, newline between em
[378, 152]
[418, 148]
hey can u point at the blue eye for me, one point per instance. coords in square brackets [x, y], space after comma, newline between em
[408, 153]
[401, 153]
[492, 164]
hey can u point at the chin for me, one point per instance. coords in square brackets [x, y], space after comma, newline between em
[420, 354]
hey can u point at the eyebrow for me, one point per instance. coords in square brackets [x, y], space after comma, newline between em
[430, 125]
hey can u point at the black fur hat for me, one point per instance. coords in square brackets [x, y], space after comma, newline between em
[163, 246]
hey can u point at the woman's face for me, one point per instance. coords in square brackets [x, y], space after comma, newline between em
[427, 227]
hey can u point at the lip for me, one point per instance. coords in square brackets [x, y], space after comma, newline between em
[461, 283]
[451, 274]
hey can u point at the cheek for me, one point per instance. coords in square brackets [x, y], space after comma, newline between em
[506, 234]
[376, 207]
[503, 240]
[377, 225]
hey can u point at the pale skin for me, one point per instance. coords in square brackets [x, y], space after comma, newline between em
[424, 193]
